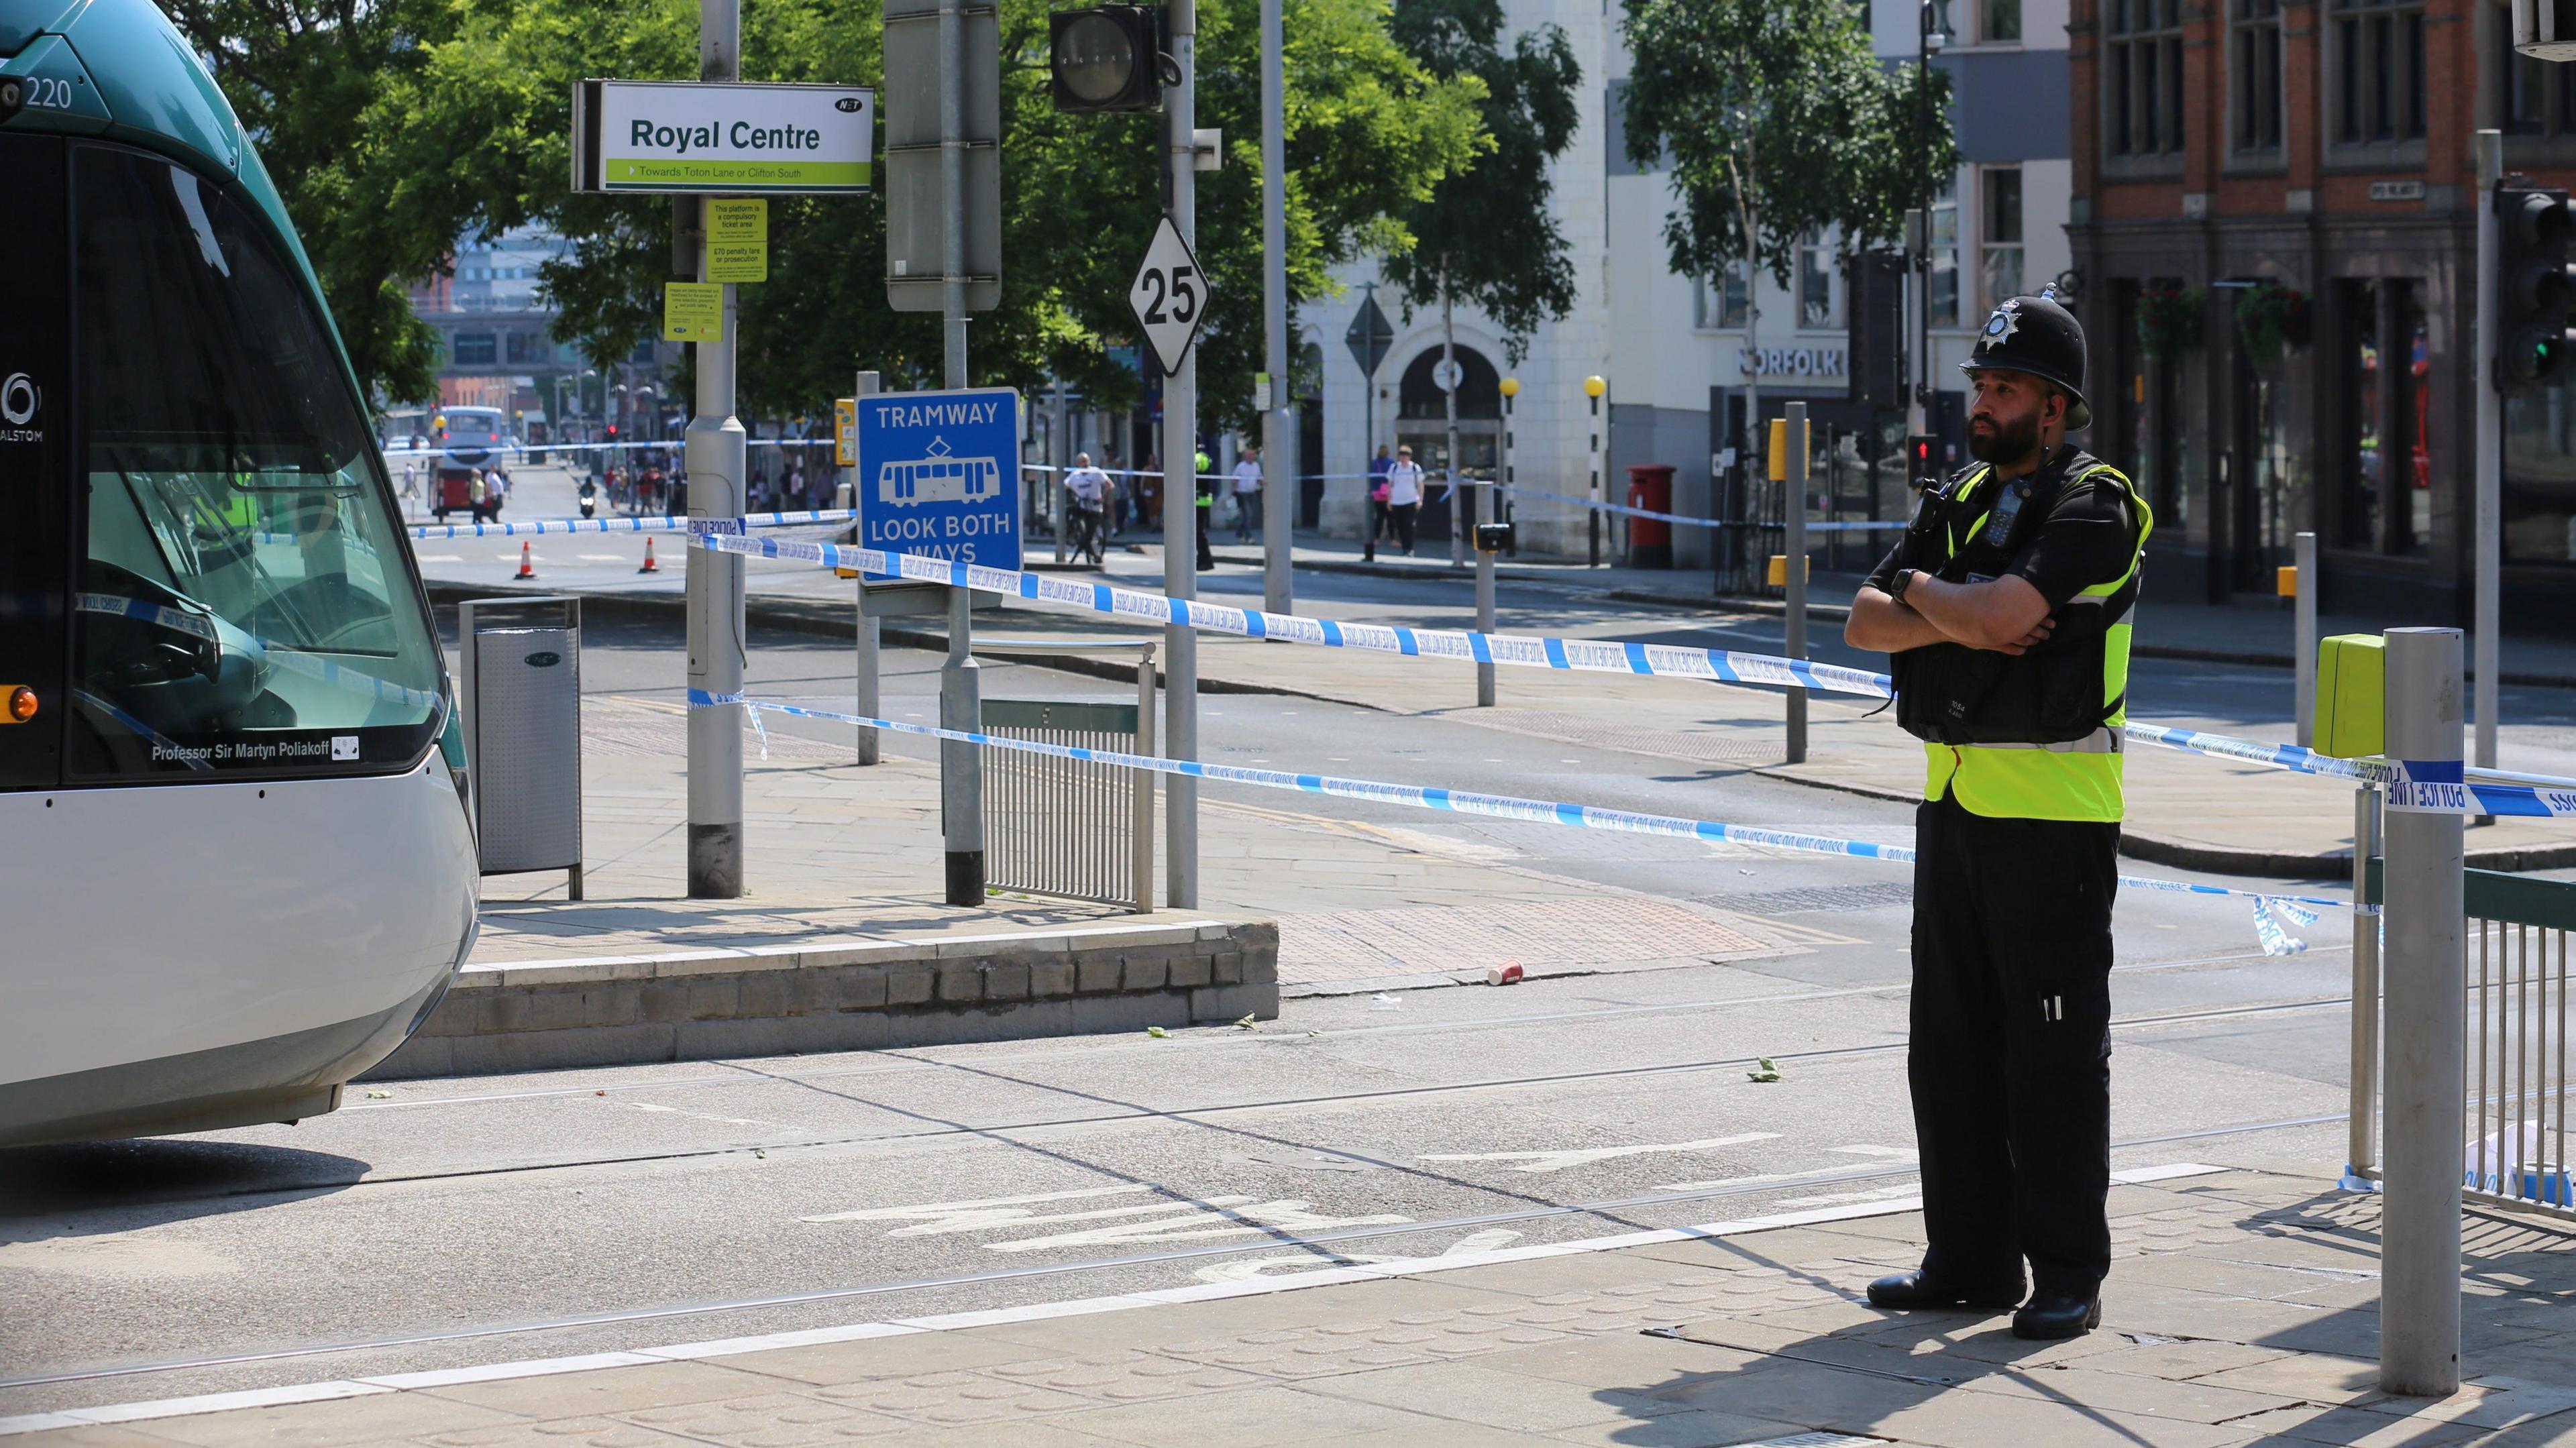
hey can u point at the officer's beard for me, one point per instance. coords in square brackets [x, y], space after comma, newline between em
[2007, 443]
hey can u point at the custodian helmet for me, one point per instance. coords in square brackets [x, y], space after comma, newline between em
[2038, 336]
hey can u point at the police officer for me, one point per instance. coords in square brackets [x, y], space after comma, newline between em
[2006, 607]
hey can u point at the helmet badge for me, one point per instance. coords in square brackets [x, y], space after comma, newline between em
[2000, 327]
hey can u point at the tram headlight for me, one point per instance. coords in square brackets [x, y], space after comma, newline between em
[13, 94]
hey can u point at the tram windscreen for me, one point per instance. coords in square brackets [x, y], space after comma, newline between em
[245, 603]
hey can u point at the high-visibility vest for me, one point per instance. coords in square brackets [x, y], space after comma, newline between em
[2070, 779]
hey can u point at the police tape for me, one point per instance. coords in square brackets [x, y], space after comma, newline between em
[2534, 796]
[1496, 806]
[2445, 786]
[1526, 651]
[1520, 491]
[541, 527]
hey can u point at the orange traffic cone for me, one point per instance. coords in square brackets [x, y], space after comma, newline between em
[527, 561]
[649, 565]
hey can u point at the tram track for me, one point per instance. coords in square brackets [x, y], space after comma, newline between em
[1040, 1271]
[1185, 1114]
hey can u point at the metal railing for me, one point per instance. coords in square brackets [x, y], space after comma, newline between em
[1065, 827]
[2519, 1013]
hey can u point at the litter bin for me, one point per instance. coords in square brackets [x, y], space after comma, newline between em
[520, 688]
[1650, 540]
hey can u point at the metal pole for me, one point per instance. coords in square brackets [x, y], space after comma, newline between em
[1059, 459]
[1180, 492]
[870, 667]
[1141, 822]
[961, 765]
[2485, 623]
[2427, 962]
[713, 455]
[1278, 419]
[1794, 513]
[1597, 496]
[2362, 1148]
[1449, 400]
[2304, 668]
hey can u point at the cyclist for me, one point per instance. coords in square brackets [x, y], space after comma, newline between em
[1087, 489]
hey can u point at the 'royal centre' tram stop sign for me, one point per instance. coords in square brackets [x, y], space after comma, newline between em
[939, 477]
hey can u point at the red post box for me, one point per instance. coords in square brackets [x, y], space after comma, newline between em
[1650, 540]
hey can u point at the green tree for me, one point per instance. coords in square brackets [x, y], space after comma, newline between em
[1776, 123]
[296, 71]
[1486, 235]
[464, 131]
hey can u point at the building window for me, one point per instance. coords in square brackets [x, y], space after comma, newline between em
[1726, 308]
[2255, 50]
[2143, 67]
[527, 347]
[1818, 283]
[1999, 241]
[1944, 311]
[475, 349]
[2379, 72]
[1999, 21]
[2533, 97]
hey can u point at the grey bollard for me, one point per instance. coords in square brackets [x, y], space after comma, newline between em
[2424, 967]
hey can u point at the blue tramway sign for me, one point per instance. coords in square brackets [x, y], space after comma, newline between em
[938, 475]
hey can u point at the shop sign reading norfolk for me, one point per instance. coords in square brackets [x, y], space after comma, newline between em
[693, 137]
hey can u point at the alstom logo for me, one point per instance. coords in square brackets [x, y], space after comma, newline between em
[19, 399]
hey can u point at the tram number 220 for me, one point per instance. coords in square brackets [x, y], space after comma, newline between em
[48, 92]
[1178, 290]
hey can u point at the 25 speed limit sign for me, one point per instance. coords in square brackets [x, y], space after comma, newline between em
[1170, 295]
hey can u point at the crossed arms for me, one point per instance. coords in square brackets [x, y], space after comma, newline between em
[2007, 615]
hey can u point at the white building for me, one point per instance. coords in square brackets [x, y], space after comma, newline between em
[1672, 348]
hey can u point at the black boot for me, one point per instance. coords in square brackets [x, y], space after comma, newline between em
[1915, 1291]
[2056, 1312]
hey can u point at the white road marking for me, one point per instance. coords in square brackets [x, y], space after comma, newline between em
[438, 557]
[1170, 1221]
[703, 1116]
[970, 1216]
[603, 557]
[1491, 1239]
[1547, 1161]
[1883, 1153]
[1032, 1312]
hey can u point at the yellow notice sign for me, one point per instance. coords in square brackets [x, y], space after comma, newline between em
[692, 312]
[737, 240]
[845, 431]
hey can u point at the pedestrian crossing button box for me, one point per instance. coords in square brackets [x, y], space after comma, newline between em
[2352, 695]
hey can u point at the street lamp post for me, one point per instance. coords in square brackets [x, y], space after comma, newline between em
[1593, 387]
[1932, 35]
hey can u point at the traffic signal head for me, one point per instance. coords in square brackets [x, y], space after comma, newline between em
[1922, 453]
[1107, 58]
[2533, 287]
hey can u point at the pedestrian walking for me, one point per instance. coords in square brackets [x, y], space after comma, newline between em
[496, 490]
[1247, 495]
[1203, 486]
[478, 495]
[2006, 606]
[411, 486]
[1403, 497]
[1377, 490]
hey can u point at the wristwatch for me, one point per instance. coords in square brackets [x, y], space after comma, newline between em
[1896, 585]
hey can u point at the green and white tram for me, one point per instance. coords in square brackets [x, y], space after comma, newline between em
[240, 868]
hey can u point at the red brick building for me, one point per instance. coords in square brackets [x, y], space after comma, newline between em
[2234, 159]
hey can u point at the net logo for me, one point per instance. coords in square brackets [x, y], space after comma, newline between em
[344, 746]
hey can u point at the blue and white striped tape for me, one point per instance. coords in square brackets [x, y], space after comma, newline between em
[1458, 801]
[1624, 510]
[1596, 655]
[544, 526]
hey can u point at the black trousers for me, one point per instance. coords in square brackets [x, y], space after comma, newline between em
[2010, 1058]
